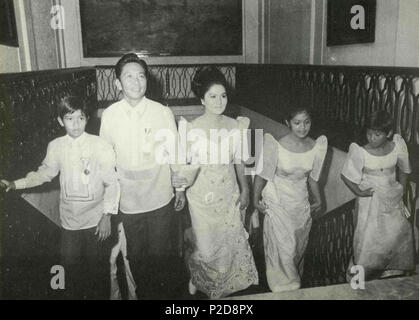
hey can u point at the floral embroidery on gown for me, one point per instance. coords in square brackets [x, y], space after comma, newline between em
[287, 223]
[383, 238]
[222, 262]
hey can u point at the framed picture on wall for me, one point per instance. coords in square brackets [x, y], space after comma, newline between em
[8, 34]
[350, 21]
[161, 27]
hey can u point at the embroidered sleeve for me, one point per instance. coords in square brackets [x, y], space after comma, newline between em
[321, 150]
[45, 173]
[110, 179]
[352, 168]
[241, 145]
[105, 128]
[269, 157]
[171, 145]
[185, 171]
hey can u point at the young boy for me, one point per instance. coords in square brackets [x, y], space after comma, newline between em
[89, 196]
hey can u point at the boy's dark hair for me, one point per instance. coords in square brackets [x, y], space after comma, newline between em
[128, 58]
[380, 120]
[71, 104]
[205, 78]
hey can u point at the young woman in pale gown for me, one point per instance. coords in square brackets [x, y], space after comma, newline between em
[222, 262]
[383, 239]
[290, 166]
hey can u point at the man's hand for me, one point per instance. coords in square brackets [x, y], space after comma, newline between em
[178, 181]
[243, 200]
[180, 200]
[7, 185]
[260, 206]
[103, 229]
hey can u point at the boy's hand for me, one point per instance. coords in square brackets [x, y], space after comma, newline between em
[366, 193]
[8, 185]
[243, 200]
[180, 200]
[103, 228]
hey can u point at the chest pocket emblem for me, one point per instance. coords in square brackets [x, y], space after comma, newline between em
[76, 184]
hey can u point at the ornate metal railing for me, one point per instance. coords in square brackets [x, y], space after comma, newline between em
[341, 96]
[329, 248]
[28, 118]
[168, 84]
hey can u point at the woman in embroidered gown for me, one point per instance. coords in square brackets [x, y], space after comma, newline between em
[288, 165]
[222, 261]
[383, 239]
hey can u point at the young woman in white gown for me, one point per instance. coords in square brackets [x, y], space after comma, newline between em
[290, 166]
[222, 262]
[383, 239]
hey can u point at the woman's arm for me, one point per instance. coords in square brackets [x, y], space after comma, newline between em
[258, 185]
[244, 186]
[315, 190]
[355, 188]
[403, 179]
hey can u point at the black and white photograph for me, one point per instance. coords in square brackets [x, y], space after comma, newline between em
[209, 154]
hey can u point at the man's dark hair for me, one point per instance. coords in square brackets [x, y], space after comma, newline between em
[128, 58]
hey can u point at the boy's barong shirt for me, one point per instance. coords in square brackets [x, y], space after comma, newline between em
[137, 135]
[88, 180]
